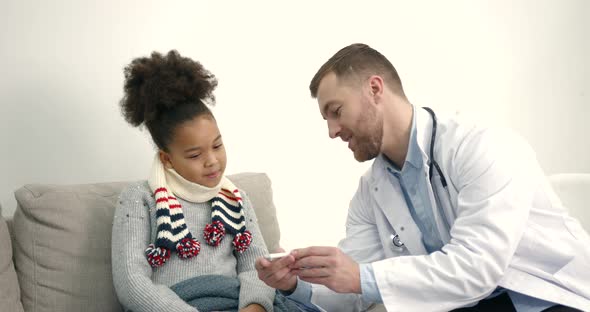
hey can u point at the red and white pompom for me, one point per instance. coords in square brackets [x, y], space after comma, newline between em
[156, 256]
[214, 233]
[242, 241]
[188, 248]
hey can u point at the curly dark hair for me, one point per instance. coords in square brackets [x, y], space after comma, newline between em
[162, 92]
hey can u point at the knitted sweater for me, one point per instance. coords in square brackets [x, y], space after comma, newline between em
[141, 288]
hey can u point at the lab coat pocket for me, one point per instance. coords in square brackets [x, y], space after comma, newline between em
[575, 276]
[548, 258]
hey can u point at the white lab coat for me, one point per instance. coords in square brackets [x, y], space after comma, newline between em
[501, 223]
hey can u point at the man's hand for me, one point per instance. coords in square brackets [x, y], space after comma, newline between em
[277, 273]
[327, 266]
[254, 307]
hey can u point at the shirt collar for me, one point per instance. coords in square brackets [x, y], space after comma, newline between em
[414, 155]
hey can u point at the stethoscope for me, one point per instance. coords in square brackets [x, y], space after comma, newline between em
[432, 163]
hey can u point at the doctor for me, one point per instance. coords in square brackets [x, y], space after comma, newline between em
[450, 215]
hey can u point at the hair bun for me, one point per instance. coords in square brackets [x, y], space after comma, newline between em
[159, 83]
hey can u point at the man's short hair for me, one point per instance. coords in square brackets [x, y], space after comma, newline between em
[358, 61]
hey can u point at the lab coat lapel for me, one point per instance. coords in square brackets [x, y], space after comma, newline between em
[391, 202]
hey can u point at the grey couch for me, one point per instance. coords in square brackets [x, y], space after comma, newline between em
[58, 253]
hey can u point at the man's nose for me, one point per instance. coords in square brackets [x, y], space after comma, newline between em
[333, 129]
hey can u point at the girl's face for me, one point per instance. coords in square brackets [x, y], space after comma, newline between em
[196, 151]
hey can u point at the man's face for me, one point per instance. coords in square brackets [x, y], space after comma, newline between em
[351, 115]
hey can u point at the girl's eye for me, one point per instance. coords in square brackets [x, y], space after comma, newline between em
[217, 146]
[194, 156]
[337, 111]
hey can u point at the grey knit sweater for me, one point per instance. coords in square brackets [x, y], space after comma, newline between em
[141, 288]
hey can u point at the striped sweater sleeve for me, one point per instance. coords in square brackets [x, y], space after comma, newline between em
[131, 271]
[252, 289]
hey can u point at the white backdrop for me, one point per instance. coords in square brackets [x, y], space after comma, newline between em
[520, 63]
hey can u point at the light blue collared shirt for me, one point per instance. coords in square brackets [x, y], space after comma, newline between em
[301, 296]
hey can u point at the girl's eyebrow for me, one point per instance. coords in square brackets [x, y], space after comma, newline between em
[196, 148]
[192, 149]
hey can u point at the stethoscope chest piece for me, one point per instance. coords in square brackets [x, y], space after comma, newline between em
[396, 241]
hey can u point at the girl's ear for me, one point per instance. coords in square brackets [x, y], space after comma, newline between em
[165, 159]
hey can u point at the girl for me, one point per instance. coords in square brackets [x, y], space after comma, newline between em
[187, 229]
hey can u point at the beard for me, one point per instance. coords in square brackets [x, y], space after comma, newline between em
[370, 138]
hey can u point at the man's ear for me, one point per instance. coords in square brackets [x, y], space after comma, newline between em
[165, 159]
[376, 85]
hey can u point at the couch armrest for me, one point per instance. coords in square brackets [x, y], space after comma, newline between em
[10, 298]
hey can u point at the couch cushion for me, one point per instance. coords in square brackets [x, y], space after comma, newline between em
[259, 189]
[62, 246]
[63, 241]
[9, 290]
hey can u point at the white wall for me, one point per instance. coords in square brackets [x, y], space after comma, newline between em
[521, 63]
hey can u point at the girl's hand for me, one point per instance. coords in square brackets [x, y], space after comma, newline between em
[277, 273]
[254, 307]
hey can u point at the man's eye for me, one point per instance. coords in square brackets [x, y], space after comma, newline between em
[194, 156]
[337, 111]
[217, 146]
